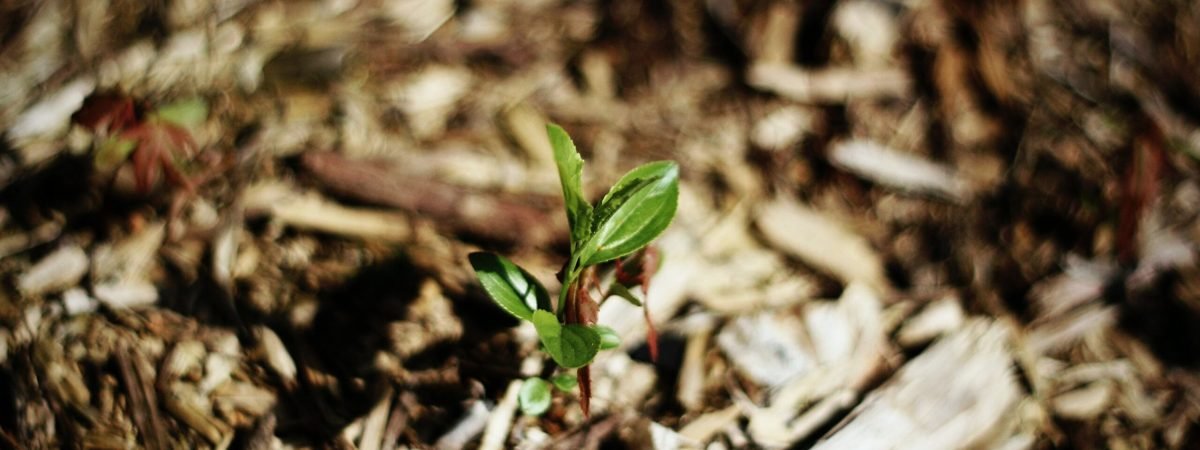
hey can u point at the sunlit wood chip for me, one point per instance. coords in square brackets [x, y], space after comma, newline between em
[52, 114]
[822, 242]
[845, 338]
[766, 347]
[470, 425]
[430, 97]
[1057, 334]
[1080, 282]
[130, 259]
[954, 395]
[871, 29]
[499, 422]
[939, 317]
[311, 211]
[899, 170]
[782, 128]
[830, 85]
[1084, 403]
[59, 270]
[77, 301]
[245, 397]
[376, 422]
[134, 294]
[277, 355]
[704, 428]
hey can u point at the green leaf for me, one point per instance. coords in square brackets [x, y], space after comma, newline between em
[113, 151]
[565, 382]
[511, 287]
[190, 112]
[608, 337]
[571, 346]
[534, 397]
[620, 290]
[642, 204]
[570, 172]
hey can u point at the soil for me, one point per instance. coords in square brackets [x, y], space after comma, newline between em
[902, 224]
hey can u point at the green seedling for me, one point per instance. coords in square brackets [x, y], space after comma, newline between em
[618, 230]
[153, 140]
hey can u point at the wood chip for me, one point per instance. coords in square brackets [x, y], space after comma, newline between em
[955, 394]
[896, 169]
[311, 211]
[821, 242]
[702, 429]
[940, 317]
[1085, 403]
[495, 435]
[829, 85]
[59, 270]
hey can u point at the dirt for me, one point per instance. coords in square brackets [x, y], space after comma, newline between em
[924, 224]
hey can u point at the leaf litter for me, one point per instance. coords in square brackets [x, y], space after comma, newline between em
[932, 225]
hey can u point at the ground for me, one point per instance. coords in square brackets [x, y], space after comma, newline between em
[901, 224]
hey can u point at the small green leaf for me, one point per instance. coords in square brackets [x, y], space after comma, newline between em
[620, 290]
[511, 287]
[608, 337]
[565, 382]
[113, 151]
[190, 112]
[570, 172]
[571, 346]
[534, 397]
[638, 213]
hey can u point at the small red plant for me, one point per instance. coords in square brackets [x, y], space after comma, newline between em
[152, 140]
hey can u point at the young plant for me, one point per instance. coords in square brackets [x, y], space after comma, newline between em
[617, 229]
[153, 140]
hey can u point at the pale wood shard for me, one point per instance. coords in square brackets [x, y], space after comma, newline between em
[705, 427]
[1084, 403]
[954, 395]
[1081, 282]
[277, 356]
[129, 260]
[310, 211]
[843, 347]
[527, 126]
[904, 171]
[499, 422]
[469, 426]
[52, 115]
[372, 435]
[691, 375]
[940, 317]
[871, 29]
[783, 128]
[57, 271]
[430, 97]
[822, 242]
[829, 85]
[1055, 335]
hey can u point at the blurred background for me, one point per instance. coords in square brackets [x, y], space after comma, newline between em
[902, 224]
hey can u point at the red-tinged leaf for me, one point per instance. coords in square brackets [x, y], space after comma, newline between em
[180, 138]
[107, 112]
[651, 335]
[585, 389]
[145, 167]
[1139, 186]
[174, 176]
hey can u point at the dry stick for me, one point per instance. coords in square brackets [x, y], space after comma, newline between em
[142, 402]
[525, 219]
[9, 440]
